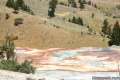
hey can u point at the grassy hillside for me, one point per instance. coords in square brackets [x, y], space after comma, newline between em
[39, 31]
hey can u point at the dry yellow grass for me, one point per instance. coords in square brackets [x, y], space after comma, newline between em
[35, 33]
[40, 32]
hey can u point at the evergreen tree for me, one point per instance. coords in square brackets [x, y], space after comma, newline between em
[80, 21]
[115, 36]
[82, 3]
[73, 19]
[52, 7]
[10, 3]
[18, 4]
[105, 27]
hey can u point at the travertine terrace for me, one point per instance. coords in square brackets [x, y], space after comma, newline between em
[81, 59]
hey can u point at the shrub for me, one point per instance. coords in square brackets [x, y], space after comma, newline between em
[75, 20]
[12, 65]
[26, 67]
[18, 21]
[9, 65]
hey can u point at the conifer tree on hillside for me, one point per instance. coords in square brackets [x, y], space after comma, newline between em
[18, 4]
[76, 20]
[115, 36]
[52, 7]
[10, 3]
[82, 3]
[105, 27]
[80, 21]
[73, 19]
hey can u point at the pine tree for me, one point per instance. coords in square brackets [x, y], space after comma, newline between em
[73, 19]
[105, 27]
[20, 4]
[10, 3]
[52, 7]
[80, 21]
[115, 36]
[82, 3]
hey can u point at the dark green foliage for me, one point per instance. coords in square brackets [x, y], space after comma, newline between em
[12, 65]
[105, 26]
[18, 21]
[9, 65]
[53, 3]
[7, 51]
[10, 3]
[26, 67]
[106, 29]
[82, 3]
[18, 4]
[115, 35]
[75, 20]
[52, 7]
[8, 47]
[51, 12]
[80, 21]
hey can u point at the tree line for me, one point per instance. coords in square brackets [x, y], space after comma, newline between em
[112, 33]
[18, 5]
[72, 3]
